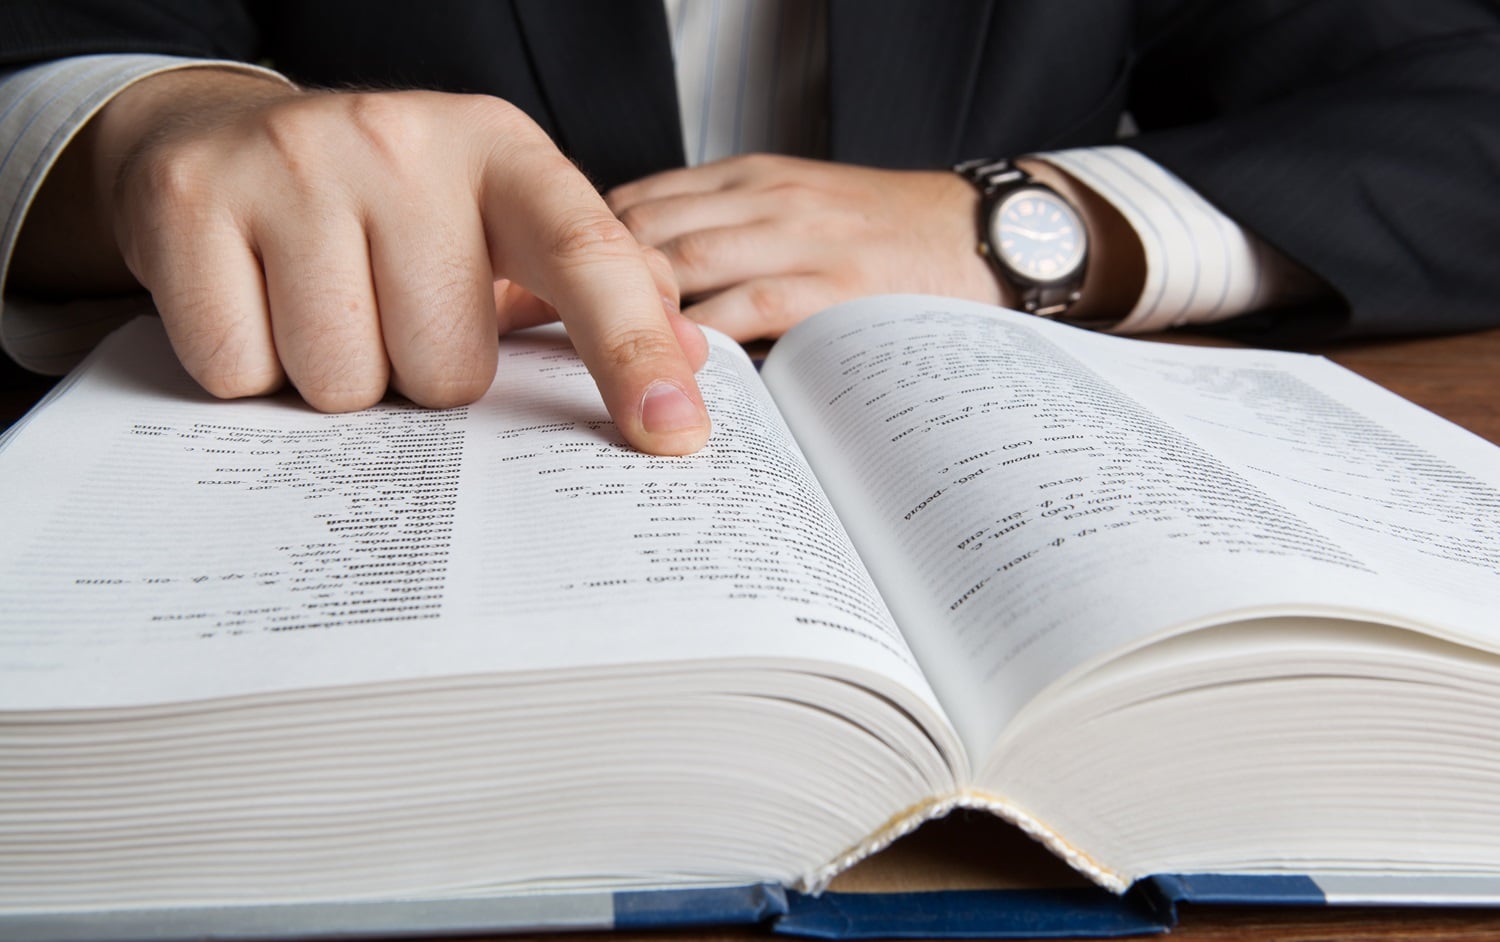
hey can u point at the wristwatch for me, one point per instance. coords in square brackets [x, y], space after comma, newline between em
[1034, 238]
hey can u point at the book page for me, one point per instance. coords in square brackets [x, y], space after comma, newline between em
[163, 546]
[1031, 497]
[1407, 492]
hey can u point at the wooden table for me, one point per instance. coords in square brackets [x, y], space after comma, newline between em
[1456, 377]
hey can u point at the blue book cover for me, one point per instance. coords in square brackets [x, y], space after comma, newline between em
[1151, 907]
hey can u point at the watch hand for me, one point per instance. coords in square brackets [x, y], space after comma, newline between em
[1036, 236]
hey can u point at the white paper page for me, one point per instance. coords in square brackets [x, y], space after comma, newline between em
[1413, 497]
[164, 546]
[1022, 514]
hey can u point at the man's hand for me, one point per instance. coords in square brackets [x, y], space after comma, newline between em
[760, 242]
[352, 241]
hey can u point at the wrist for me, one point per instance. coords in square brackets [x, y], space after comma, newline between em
[963, 208]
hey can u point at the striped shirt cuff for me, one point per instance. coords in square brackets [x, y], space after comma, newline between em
[1201, 266]
[41, 108]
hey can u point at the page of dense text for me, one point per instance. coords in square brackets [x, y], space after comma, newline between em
[163, 546]
[1030, 496]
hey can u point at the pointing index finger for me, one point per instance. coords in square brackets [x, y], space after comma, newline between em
[548, 229]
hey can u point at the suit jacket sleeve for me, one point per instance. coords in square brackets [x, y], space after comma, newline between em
[1359, 137]
[32, 31]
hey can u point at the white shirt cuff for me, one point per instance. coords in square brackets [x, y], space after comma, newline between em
[41, 108]
[1201, 266]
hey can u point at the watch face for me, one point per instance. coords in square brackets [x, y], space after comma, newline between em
[1038, 236]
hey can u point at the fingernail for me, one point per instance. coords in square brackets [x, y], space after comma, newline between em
[666, 408]
[670, 303]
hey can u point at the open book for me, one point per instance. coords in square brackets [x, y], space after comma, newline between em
[1170, 610]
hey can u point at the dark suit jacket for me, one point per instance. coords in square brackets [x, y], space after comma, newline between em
[1361, 137]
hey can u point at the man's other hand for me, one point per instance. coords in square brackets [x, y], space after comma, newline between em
[760, 242]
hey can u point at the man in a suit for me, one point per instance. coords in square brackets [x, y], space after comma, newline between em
[1324, 167]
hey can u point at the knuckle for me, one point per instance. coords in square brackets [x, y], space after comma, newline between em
[584, 238]
[638, 220]
[237, 386]
[332, 371]
[225, 366]
[321, 137]
[630, 347]
[505, 128]
[766, 302]
[752, 166]
[340, 398]
[172, 180]
[497, 113]
[297, 135]
[386, 123]
[617, 197]
[445, 360]
[797, 193]
[696, 251]
[333, 384]
[448, 390]
[449, 286]
[237, 383]
[659, 263]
